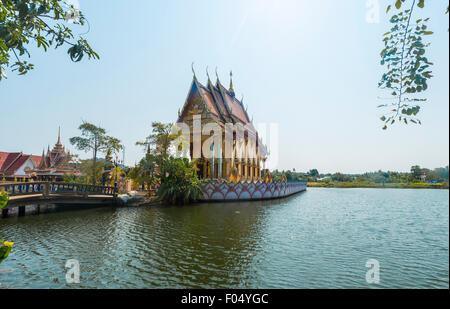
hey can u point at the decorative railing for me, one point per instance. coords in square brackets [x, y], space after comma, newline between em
[55, 188]
[256, 190]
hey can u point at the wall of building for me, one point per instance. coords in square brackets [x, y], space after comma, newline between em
[224, 191]
[28, 164]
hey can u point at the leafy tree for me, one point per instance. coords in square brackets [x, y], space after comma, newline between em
[442, 173]
[340, 177]
[43, 22]
[416, 171]
[177, 179]
[86, 169]
[408, 68]
[160, 140]
[314, 173]
[94, 138]
[289, 175]
[145, 171]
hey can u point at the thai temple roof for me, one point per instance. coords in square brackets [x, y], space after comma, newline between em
[221, 101]
[55, 161]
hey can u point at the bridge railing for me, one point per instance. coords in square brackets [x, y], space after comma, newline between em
[56, 188]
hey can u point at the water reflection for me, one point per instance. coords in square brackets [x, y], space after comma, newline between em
[320, 238]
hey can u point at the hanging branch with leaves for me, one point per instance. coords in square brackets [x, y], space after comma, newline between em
[408, 69]
[43, 22]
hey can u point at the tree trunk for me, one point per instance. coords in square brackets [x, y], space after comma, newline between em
[94, 165]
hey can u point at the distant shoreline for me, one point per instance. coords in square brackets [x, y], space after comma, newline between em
[378, 185]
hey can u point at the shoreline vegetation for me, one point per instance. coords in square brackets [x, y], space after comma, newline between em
[417, 178]
[336, 184]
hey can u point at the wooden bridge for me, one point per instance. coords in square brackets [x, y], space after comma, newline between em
[58, 193]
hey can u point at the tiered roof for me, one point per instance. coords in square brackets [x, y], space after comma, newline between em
[221, 103]
[56, 161]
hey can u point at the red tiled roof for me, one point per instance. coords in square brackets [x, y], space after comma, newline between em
[12, 169]
[37, 159]
[222, 105]
[7, 158]
[209, 100]
[10, 162]
[234, 106]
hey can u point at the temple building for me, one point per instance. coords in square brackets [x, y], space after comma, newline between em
[219, 105]
[16, 166]
[54, 164]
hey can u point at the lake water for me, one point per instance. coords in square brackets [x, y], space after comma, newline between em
[321, 238]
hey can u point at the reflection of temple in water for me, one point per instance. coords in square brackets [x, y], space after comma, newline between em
[218, 105]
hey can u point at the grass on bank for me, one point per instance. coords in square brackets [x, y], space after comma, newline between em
[354, 184]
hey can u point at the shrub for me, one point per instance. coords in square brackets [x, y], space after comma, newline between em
[3, 199]
[5, 249]
[178, 181]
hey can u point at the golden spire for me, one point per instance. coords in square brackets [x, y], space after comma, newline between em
[231, 83]
[108, 156]
[59, 136]
[42, 163]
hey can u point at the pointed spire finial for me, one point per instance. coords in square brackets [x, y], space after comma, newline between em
[217, 75]
[193, 71]
[59, 136]
[231, 83]
[207, 73]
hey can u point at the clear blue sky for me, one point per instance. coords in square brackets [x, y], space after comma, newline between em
[310, 66]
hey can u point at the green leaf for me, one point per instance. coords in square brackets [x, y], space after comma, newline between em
[4, 252]
[398, 4]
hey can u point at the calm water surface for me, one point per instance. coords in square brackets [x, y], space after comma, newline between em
[321, 238]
